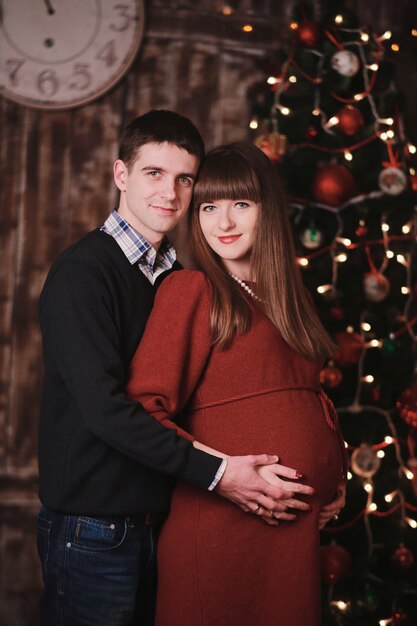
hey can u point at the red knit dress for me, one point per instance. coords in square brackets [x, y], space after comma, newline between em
[219, 566]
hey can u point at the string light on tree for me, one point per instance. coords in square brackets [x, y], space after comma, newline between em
[351, 182]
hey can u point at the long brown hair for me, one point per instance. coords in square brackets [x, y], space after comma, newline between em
[240, 171]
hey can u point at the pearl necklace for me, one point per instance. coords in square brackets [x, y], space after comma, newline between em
[245, 287]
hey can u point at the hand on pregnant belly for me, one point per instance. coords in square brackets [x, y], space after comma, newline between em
[244, 484]
[333, 509]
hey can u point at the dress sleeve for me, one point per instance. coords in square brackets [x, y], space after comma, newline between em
[174, 349]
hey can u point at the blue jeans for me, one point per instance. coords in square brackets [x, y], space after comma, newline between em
[97, 571]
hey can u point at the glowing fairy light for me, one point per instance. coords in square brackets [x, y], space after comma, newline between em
[341, 258]
[227, 10]
[365, 37]
[375, 343]
[389, 254]
[358, 97]
[401, 259]
[247, 28]
[302, 261]
[292, 79]
[386, 35]
[253, 123]
[395, 47]
[405, 290]
[294, 26]
[409, 474]
[272, 80]
[339, 604]
[338, 19]
[323, 288]
[380, 454]
[411, 522]
[344, 240]
[368, 378]
[374, 67]
[406, 229]
[348, 155]
[388, 439]
[390, 134]
[372, 507]
[390, 496]
[332, 121]
[367, 487]
[284, 110]
[349, 475]
[411, 148]
[366, 326]
[383, 136]
[316, 111]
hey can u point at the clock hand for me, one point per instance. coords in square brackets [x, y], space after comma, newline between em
[51, 11]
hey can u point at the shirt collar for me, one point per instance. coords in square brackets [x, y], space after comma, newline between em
[132, 243]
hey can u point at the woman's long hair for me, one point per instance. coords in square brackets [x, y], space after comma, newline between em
[240, 171]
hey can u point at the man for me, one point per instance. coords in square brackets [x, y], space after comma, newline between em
[107, 467]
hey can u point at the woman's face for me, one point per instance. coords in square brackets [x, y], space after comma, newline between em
[229, 227]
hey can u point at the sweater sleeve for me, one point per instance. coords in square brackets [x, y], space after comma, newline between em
[81, 344]
[174, 349]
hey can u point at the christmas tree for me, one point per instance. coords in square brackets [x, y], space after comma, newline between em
[332, 120]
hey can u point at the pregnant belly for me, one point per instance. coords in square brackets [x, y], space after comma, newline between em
[290, 424]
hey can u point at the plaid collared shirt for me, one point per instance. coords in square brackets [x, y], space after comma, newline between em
[137, 250]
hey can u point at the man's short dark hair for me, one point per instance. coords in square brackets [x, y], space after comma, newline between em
[159, 126]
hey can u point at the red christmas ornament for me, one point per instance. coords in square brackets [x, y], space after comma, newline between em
[272, 144]
[333, 185]
[399, 617]
[311, 132]
[402, 558]
[413, 182]
[331, 376]
[335, 563]
[376, 393]
[350, 120]
[361, 231]
[407, 405]
[337, 313]
[308, 34]
[350, 348]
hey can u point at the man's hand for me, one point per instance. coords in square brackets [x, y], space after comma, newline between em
[253, 483]
[329, 511]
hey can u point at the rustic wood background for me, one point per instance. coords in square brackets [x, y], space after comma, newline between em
[56, 184]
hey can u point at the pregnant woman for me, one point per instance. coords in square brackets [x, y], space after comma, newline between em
[232, 353]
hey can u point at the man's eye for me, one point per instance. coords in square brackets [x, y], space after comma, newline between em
[186, 181]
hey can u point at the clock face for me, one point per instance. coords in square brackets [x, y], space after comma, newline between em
[59, 54]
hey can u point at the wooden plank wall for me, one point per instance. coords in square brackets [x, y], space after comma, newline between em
[56, 184]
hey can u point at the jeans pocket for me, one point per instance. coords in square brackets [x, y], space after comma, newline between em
[98, 534]
[43, 541]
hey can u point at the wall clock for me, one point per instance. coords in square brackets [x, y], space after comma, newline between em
[61, 54]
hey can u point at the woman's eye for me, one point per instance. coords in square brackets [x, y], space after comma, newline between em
[208, 208]
[242, 205]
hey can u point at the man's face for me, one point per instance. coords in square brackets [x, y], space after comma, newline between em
[156, 192]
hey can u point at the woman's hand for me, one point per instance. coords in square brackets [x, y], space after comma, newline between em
[332, 510]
